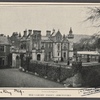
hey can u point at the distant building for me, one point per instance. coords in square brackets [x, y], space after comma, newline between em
[4, 50]
[51, 47]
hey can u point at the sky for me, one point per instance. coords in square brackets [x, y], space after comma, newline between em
[17, 18]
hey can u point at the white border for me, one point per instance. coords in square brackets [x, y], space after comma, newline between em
[48, 92]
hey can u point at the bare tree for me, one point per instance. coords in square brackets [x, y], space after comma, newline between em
[93, 16]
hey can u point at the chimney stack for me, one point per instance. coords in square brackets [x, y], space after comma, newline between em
[48, 33]
[30, 32]
[25, 33]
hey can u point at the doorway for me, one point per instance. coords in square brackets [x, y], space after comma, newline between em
[1, 62]
[38, 57]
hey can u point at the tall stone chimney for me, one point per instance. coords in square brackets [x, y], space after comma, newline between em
[25, 33]
[30, 32]
[48, 33]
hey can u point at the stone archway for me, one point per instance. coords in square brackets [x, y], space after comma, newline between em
[38, 57]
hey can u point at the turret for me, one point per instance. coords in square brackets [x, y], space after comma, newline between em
[70, 35]
[70, 39]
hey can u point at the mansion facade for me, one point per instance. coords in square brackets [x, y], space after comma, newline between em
[51, 47]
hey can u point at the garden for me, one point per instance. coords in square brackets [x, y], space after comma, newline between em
[59, 73]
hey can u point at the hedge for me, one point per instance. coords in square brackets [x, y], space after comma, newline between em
[90, 74]
[50, 71]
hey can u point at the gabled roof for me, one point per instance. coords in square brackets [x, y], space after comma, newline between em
[58, 32]
[55, 33]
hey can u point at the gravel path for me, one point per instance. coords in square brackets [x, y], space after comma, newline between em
[16, 78]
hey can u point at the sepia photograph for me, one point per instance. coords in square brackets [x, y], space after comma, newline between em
[48, 46]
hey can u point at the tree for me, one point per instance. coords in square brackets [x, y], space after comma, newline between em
[93, 16]
[83, 44]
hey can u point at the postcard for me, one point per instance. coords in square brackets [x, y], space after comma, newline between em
[50, 50]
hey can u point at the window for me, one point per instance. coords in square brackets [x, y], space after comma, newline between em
[49, 45]
[64, 54]
[58, 54]
[64, 46]
[1, 48]
[58, 46]
[35, 45]
[42, 45]
[58, 38]
[21, 47]
[24, 46]
[49, 55]
[35, 36]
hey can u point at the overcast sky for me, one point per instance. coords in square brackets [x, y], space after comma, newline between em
[44, 17]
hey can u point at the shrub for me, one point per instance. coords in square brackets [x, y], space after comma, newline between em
[65, 73]
[53, 73]
[93, 79]
[91, 76]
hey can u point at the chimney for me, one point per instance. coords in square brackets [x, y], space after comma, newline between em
[25, 33]
[53, 30]
[48, 33]
[36, 32]
[30, 32]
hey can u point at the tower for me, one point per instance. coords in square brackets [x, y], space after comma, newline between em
[70, 35]
[70, 39]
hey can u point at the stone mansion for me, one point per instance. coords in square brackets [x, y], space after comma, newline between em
[51, 47]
